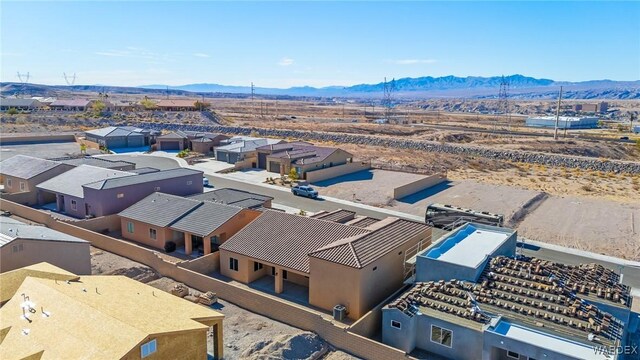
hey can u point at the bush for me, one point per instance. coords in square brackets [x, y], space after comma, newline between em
[12, 111]
[169, 247]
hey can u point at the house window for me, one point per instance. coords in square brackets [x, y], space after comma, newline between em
[23, 186]
[215, 240]
[17, 248]
[148, 348]
[74, 205]
[513, 355]
[120, 195]
[441, 336]
[153, 233]
[257, 266]
[9, 183]
[233, 264]
[130, 227]
[189, 182]
[157, 188]
[396, 324]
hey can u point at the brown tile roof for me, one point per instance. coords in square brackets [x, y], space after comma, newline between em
[362, 221]
[285, 239]
[361, 250]
[340, 216]
[534, 292]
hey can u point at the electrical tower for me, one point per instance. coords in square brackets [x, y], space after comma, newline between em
[70, 80]
[503, 101]
[253, 94]
[387, 100]
[24, 80]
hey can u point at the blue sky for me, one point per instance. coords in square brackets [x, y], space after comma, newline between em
[282, 44]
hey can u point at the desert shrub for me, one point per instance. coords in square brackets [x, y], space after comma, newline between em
[12, 111]
[169, 246]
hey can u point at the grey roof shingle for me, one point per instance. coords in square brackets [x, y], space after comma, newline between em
[19, 102]
[234, 197]
[111, 183]
[206, 218]
[71, 182]
[113, 131]
[94, 161]
[159, 209]
[144, 170]
[13, 229]
[285, 239]
[71, 103]
[361, 250]
[26, 167]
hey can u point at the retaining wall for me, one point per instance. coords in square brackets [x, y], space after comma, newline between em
[418, 185]
[335, 171]
[32, 139]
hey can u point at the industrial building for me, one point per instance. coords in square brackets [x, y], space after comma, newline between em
[564, 122]
[473, 298]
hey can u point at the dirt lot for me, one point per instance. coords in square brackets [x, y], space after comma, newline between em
[48, 150]
[246, 335]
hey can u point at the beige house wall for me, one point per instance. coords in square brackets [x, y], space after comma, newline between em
[71, 256]
[331, 284]
[141, 234]
[202, 147]
[244, 274]
[335, 171]
[418, 185]
[182, 345]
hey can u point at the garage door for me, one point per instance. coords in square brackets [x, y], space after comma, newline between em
[135, 141]
[169, 145]
[262, 161]
[274, 166]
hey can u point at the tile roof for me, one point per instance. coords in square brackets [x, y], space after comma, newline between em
[540, 294]
[114, 314]
[111, 183]
[94, 161]
[26, 167]
[206, 218]
[362, 221]
[19, 102]
[159, 209]
[13, 229]
[303, 153]
[234, 197]
[361, 250]
[173, 135]
[144, 170]
[71, 103]
[246, 145]
[284, 146]
[71, 182]
[285, 239]
[340, 216]
[112, 131]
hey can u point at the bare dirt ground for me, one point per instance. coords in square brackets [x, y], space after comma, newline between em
[246, 335]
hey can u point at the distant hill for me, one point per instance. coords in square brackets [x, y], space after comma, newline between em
[520, 87]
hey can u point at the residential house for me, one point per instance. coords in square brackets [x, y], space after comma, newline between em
[71, 105]
[242, 150]
[474, 298]
[115, 137]
[50, 313]
[96, 161]
[19, 104]
[21, 174]
[235, 197]
[201, 142]
[333, 263]
[23, 245]
[187, 222]
[176, 140]
[177, 105]
[91, 191]
[302, 157]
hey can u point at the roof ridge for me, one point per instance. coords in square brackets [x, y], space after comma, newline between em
[355, 256]
[185, 214]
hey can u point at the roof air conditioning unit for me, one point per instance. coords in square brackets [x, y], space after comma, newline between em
[339, 312]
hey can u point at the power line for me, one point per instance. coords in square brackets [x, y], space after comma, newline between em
[503, 101]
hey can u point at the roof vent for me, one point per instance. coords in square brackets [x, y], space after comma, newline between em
[25, 331]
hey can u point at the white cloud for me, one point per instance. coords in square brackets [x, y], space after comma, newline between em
[201, 55]
[412, 61]
[137, 53]
[285, 61]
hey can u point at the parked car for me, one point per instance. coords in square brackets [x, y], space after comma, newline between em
[304, 190]
[624, 138]
[205, 182]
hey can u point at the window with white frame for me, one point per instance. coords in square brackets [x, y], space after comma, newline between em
[148, 348]
[74, 205]
[120, 195]
[130, 227]
[153, 233]
[257, 266]
[513, 355]
[441, 336]
[23, 186]
[396, 324]
[9, 183]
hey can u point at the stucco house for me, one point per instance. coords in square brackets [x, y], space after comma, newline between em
[50, 313]
[337, 264]
[116, 137]
[21, 174]
[301, 156]
[23, 245]
[19, 104]
[242, 149]
[71, 105]
[235, 197]
[201, 142]
[198, 226]
[89, 191]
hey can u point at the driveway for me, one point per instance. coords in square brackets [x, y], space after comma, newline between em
[210, 166]
[44, 150]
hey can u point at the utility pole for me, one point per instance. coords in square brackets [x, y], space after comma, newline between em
[253, 93]
[555, 132]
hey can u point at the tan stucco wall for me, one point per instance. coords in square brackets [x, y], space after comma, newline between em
[183, 345]
[73, 257]
[203, 148]
[337, 158]
[418, 185]
[245, 267]
[335, 171]
[141, 234]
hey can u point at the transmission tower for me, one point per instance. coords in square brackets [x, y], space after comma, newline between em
[253, 93]
[387, 100]
[503, 101]
[24, 80]
[70, 80]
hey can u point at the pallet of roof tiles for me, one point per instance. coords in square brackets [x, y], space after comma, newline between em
[209, 298]
[180, 290]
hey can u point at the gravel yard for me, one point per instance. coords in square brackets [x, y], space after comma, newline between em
[44, 150]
